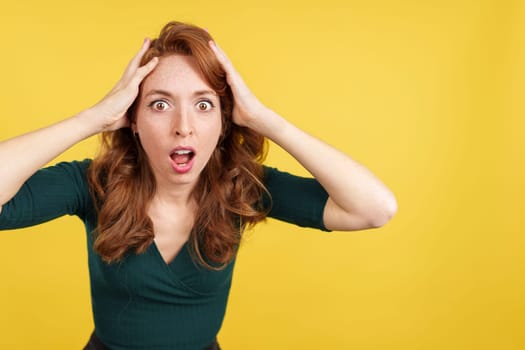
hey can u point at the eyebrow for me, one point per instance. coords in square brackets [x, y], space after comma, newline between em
[168, 94]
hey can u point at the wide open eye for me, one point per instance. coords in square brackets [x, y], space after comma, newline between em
[159, 105]
[204, 105]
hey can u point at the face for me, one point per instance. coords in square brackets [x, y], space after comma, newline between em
[178, 121]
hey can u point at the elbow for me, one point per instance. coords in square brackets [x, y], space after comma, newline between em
[383, 213]
[374, 214]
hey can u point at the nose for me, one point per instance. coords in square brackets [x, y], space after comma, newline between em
[182, 124]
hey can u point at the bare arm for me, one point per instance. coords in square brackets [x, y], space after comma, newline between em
[357, 199]
[22, 156]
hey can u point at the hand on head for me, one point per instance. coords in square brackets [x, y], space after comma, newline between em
[112, 109]
[247, 109]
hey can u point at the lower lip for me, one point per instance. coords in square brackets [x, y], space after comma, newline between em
[182, 169]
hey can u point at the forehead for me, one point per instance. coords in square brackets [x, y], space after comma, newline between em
[176, 73]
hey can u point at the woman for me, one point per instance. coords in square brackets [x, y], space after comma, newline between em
[179, 178]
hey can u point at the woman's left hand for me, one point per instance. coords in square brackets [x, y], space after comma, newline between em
[248, 111]
[357, 199]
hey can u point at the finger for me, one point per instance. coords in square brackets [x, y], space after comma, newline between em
[135, 61]
[233, 77]
[143, 71]
[134, 81]
[134, 64]
[221, 55]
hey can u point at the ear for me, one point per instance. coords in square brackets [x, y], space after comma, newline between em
[133, 127]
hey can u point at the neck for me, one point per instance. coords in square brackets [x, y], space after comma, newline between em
[179, 195]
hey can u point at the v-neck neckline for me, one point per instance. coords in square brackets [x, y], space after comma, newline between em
[181, 251]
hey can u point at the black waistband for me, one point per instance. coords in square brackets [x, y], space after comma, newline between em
[95, 343]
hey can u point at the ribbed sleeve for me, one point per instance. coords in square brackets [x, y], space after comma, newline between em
[48, 194]
[294, 199]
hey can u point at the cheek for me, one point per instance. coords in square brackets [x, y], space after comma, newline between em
[149, 125]
[209, 126]
[152, 149]
[150, 138]
[215, 133]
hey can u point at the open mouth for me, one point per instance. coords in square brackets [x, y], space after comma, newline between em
[182, 156]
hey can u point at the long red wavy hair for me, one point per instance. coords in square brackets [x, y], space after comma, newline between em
[230, 188]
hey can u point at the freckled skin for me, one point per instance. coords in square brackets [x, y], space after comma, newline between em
[171, 114]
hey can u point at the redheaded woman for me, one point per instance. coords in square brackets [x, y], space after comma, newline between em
[178, 179]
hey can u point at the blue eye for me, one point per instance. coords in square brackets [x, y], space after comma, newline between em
[204, 105]
[159, 105]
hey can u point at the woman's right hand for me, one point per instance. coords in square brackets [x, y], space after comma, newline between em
[18, 158]
[111, 111]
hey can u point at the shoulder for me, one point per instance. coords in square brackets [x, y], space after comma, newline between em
[284, 184]
[72, 172]
[294, 199]
[50, 193]
[80, 166]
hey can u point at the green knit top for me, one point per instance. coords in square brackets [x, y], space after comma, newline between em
[142, 302]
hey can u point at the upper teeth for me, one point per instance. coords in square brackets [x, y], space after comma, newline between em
[183, 151]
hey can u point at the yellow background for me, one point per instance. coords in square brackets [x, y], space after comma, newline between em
[427, 94]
